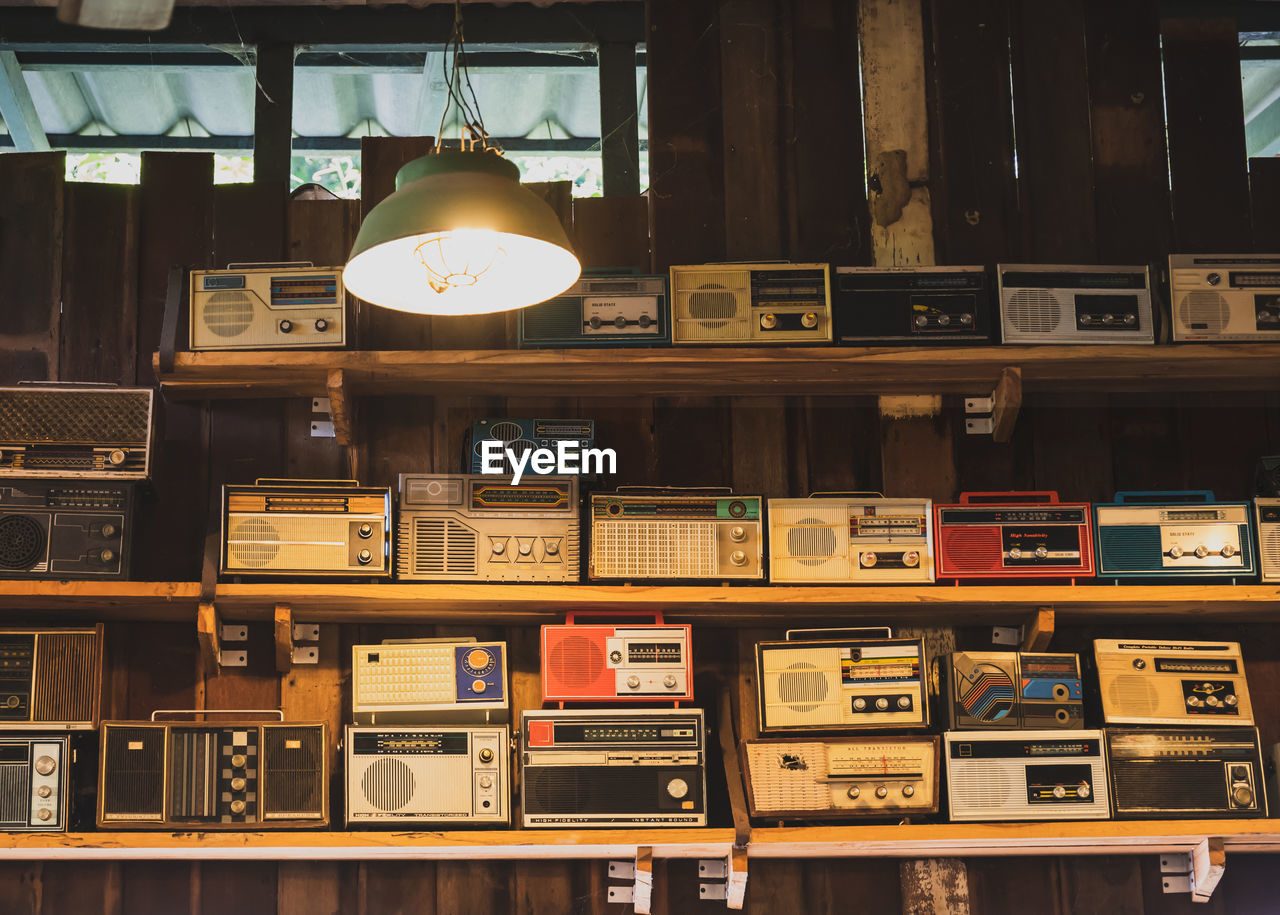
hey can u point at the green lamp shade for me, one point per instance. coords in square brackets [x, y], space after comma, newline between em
[460, 236]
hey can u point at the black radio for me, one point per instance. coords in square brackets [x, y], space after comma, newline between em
[54, 529]
[1186, 773]
[920, 306]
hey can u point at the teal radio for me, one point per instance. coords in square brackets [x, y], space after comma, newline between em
[1172, 535]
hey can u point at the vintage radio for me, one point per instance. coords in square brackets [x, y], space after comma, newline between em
[51, 677]
[268, 306]
[863, 777]
[36, 791]
[424, 681]
[668, 534]
[623, 768]
[1208, 773]
[1190, 683]
[76, 432]
[751, 303]
[1268, 520]
[1222, 297]
[1013, 535]
[601, 309]
[862, 538]
[921, 306]
[1012, 689]
[1041, 303]
[840, 684]
[1173, 534]
[420, 776]
[520, 436]
[458, 527]
[1026, 775]
[54, 530]
[243, 774]
[291, 528]
[600, 662]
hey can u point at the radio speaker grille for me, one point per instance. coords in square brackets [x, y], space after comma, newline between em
[22, 542]
[133, 773]
[1270, 545]
[1129, 548]
[809, 539]
[388, 784]
[67, 666]
[1204, 311]
[971, 549]
[802, 686]
[554, 318]
[1134, 694]
[227, 314]
[706, 303]
[989, 787]
[673, 549]
[576, 662]
[75, 417]
[1034, 311]
[595, 790]
[289, 542]
[293, 772]
[443, 546]
[1165, 785]
[15, 795]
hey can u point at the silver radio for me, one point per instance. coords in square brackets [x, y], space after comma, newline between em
[272, 306]
[35, 785]
[1220, 297]
[1026, 775]
[1268, 518]
[1042, 303]
[468, 527]
[423, 681]
[416, 776]
[864, 538]
[1187, 683]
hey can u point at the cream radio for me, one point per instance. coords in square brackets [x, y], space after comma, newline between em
[268, 306]
[1186, 683]
[863, 777]
[834, 538]
[1026, 775]
[290, 528]
[420, 776]
[1072, 304]
[1220, 297]
[1012, 689]
[751, 303]
[423, 681]
[469, 527]
[591, 662]
[1268, 519]
[689, 534]
[811, 684]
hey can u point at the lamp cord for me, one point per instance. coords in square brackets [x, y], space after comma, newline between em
[458, 83]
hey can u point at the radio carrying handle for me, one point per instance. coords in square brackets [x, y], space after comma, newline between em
[571, 617]
[683, 490]
[852, 494]
[249, 265]
[887, 630]
[1030, 497]
[1153, 496]
[456, 640]
[279, 481]
[219, 711]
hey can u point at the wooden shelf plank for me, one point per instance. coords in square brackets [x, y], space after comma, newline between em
[155, 601]
[728, 370]
[947, 839]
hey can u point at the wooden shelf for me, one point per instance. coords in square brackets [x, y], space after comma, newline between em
[947, 839]
[726, 370]
[706, 604]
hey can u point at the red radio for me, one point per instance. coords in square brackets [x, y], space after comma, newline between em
[1013, 535]
[638, 662]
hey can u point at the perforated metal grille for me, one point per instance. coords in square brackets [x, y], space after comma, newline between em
[1204, 311]
[74, 417]
[670, 549]
[388, 784]
[576, 661]
[442, 546]
[22, 542]
[293, 773]
[15, 795]
[1034, 311]
[67, 665]
[227, 314]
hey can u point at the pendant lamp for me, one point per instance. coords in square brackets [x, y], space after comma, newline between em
[460, 235]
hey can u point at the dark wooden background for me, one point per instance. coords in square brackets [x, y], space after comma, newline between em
[756, 152]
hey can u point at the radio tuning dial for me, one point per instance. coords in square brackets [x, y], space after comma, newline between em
[768, 321]
[108, 530]
[44, 813]
[868, 560]
[1084, 320]
[286, 326]
[237, 807]
[321, 325]
[1212, 701]
[966, 319]
[633, 682]
[1202, 551]
[911, 559]
[1083, 789]
[365, 557]
[1041, 552]
[737, 534]
[859, 704]
[1108, 319]
[526, 547]
[738, 558]
[1194, 701]
[853, 792]
[1015, 553]
[46, 765]
[615, 657]
[644, 320]
[486, 755]
[882, 791]
[366, 530]
[908, 790]
[1059, 791]
[904, 702]
[809, 320]
[551, 547]
[116, 457]
[238, 761]
[1213, 279]
[1242, 795]
[882, 704]
[1227, 551]
[12, 702]
[677, 788]
[486, 781]
[237, 784]
[1175, 551]
[44, 791]
[1231, 700]
[669, 681]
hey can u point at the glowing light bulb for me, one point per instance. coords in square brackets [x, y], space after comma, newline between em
[460, 258]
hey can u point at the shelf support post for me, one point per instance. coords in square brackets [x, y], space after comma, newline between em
[639, 892]
[209, 635]
[1002, 406]
[284, 638]
[1039, 631]
[342, 410]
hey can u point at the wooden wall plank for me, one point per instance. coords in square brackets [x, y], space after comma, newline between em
[317, 888]
[242, 887]
[611, 232]
[1264, 194]
[398, 888]
[82, 886]
[1202, 101]
[31, 251]
[160, 888]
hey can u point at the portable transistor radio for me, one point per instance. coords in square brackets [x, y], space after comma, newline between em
[1042, 303]
[1172, 682]
[1012, 689]
[1174, 534]
[604, 308]
[1221, 297]
[424, 681]
[1268, 521]
[1198, 773]
[268, 306]
[916, 306]
[770, 303]
[1013, 535]
[624, 662]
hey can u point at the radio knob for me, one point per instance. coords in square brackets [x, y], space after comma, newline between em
[1230, 699]
[238, 761]
[644, 320]
[633, 682]
[116, 457]
[1242, 795]
[738, 558]
[1202, 551]
[904, 702]
[1084, 320]
[868, 560]
[286, 326]
[882, 791]
[737, 534]
[1130, 319]
[669, 681]
[237, 807]
[1227, 551]
[859, 704]
[768, 321]
[677, 788]
[364, 557]
[1194, 701]
[1059, 791]
[1041, 552]
[551, 547]
[485, 781]
[321, 325]
[478, 686]
[1139, 663]
[595, 322]
[620, 322]
[908, 790]
[485, 755]
[46, 765]
[499, 547]
[1213, 279]
[1083, 789]
[12, 702]
[809, 320]
[525, 547]
[1015, 553]
[966, 319]
[1239, 774]
[237, 784]
[1212, 701]
[107, 555]
[108, 530]
[853, 792]
[615, 657]
[366, 530]
[911, 559]
[1108, 319]
[1175, 551]
[882, 704]
[922, 321]
[44, 813]
[44, 791]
